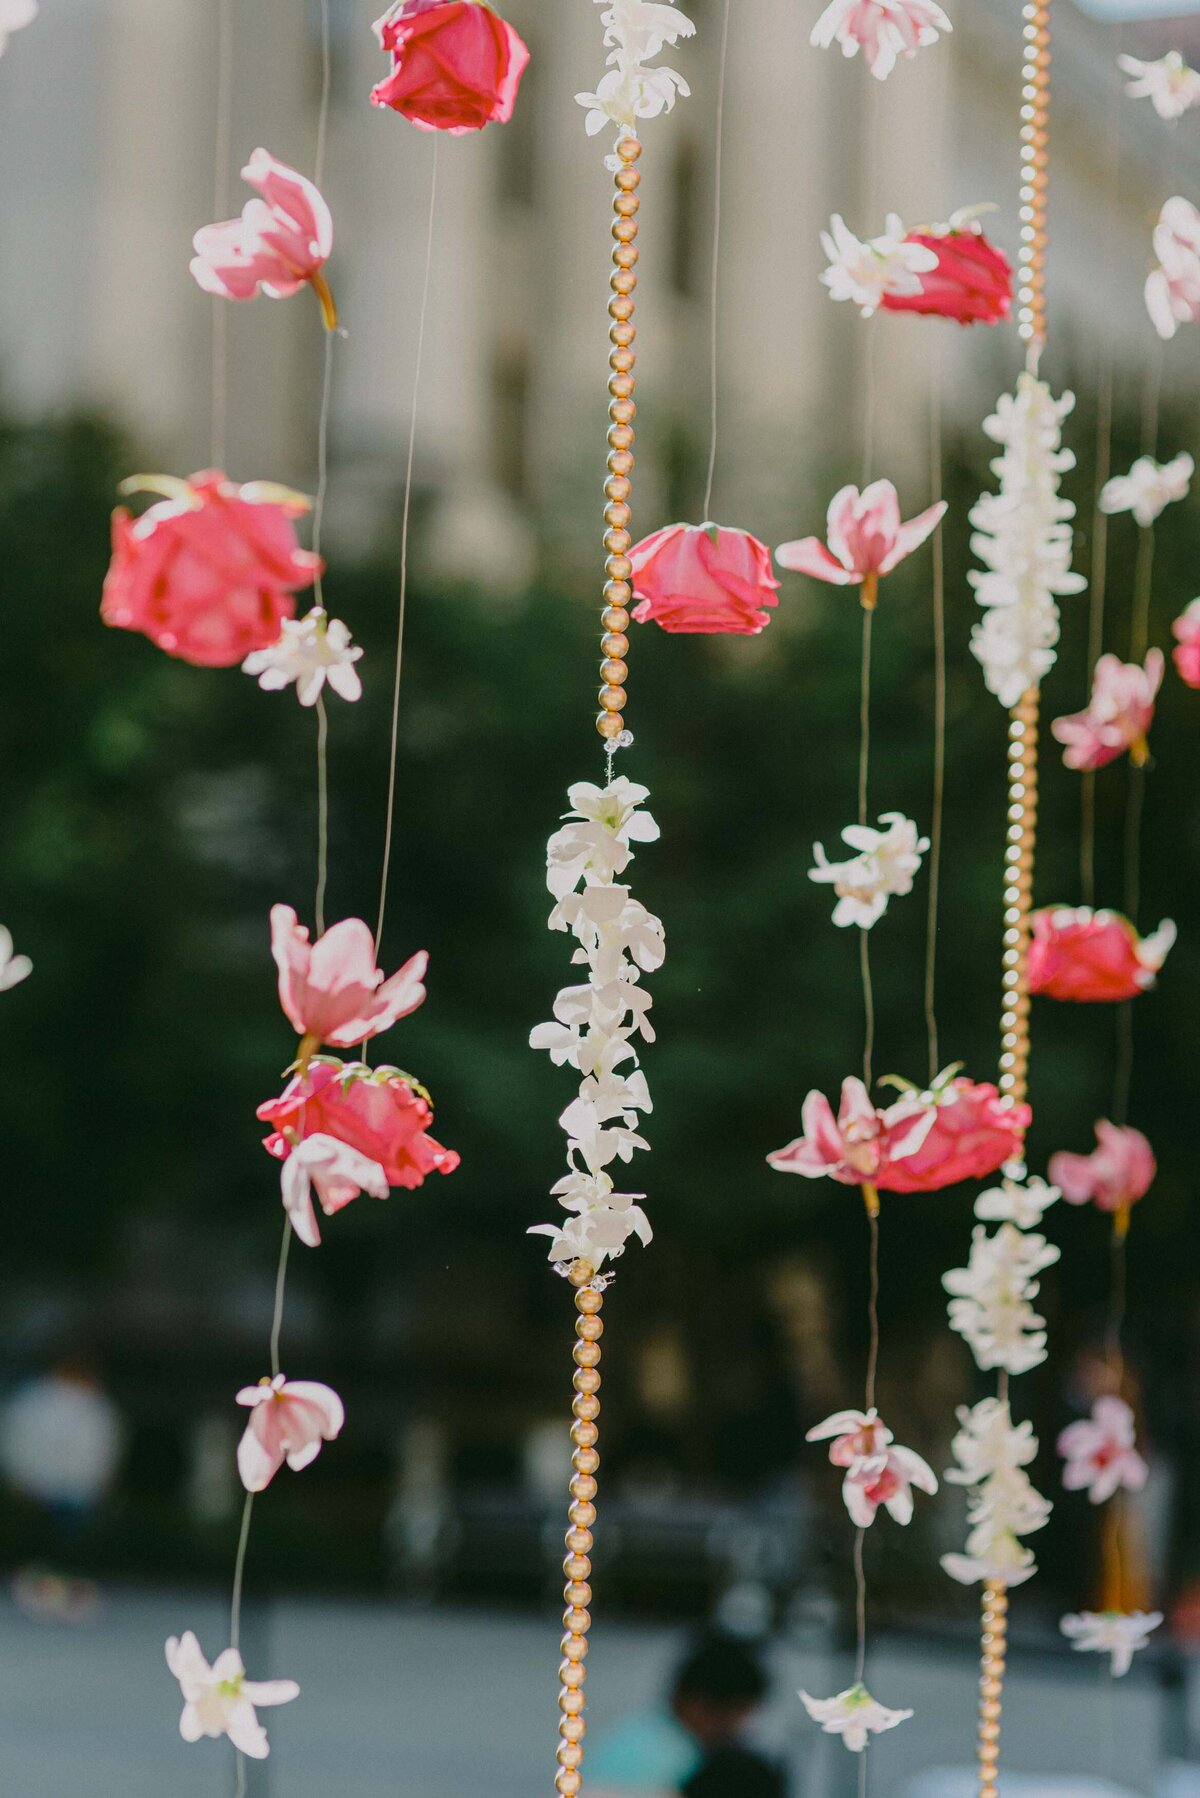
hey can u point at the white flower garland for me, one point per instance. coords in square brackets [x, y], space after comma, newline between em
[992, 1455]
[1023, 538]
[990, 1298]
[594, 1024]
[634, 32]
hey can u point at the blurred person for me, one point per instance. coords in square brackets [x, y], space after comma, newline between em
[61, 1439]
[693, 1743]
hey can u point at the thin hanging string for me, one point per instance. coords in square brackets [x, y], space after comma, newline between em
[939, 721]
[319, 597]
[716, 263]
[864, 763]
[408, 484]
[323, 108]
[221, 156]
[1098, 583]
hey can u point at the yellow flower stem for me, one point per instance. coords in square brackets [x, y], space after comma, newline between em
[323, 291]
[869, 592]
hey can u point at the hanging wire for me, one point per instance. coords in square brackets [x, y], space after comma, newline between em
[718, 160]
[939, 724]
[389, 825]
[221, 157]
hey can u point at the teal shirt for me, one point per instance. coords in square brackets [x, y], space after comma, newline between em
[648, 1752]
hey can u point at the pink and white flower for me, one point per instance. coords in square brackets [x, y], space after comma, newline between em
[1117, 717]
[332, 1170]
[867, 271]
[1149, 487]
[1186, 654]
[866, 538]
[331, 991]
[1173, 287]
[1116, 1633]
[878, 1470]
[1099, 1452]
[280, 244]
[882, 868]
[220, 1700]
[884, 30]
[310, 651]
[859, 1143]
[289, 1420]
[1169, 84]
[1119, 1171]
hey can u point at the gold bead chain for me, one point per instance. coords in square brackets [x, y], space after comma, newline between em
[1020, 844]
[991, 1684]
[1035, 177]
[618, 592]
[577, 1593]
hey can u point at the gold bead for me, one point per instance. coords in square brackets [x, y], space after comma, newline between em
[573, 1674]
[620, 460]
[574, 1647]
[623, 334]
[585, 1460]
[622, 362]
[620, 306]
[610, 724]
[572, 1729]
[620, 437]
[626, 204]
[617, 595]
[582, 1514]
[624, 230]
[584, 1434]
[618, 568]
[586, 1407]
[568, 1782]
[617, 489]
[583, 1486]
[616, 645]
[587, 1380]
[578, 1592]
[629, 149]
[628, 179]
[579, 1540]
[586, 1354]
[580, 1274]
[615, 620]
[589, 1301]
[623, 412]
[623, 284]
[569, 1754]
[571, 1702]
[576, 1620]
[621, 386]
[625, 256]
[589, 1327]
[618, 543]
[613, 671]
[613, 700]
[617, 515]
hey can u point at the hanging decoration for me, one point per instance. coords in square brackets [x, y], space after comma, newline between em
[456, 65]
[884, 30]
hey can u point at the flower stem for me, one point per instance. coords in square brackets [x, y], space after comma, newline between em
[323, 291]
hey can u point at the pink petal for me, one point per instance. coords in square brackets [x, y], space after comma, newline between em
[911, 535]
[808, 555]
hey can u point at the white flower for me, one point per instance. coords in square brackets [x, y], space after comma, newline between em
[596, 843]
[990, 1306]
[1169, 84]
[1173, 288]
[635, 31]
[992, 1455]
[602, 1223]
[14, 14]
[1153, 950]
[596, 1139]
[883, 868]
[13, 968]
[310, 651]
[1149, 487]
[335, 1171]
[866, 271]
[854, 1715]
[1017, 1202]
[883, 30]
[878, 1470]
[1023, 538]
[1116, 1633]
[220, 1700]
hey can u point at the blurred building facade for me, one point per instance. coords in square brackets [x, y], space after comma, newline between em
[107, 114]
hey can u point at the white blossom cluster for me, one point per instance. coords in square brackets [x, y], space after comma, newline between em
[992, 1454]
[634, 32]
[882, 868]
[594, 1024]
[990, 1298]
[1023, 538]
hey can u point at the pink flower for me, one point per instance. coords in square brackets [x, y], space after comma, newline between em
[280, 244]
[866, 539]
[703, 579]
[1099, 1452]
[289, 1420]
[336, 1172]
[858, 1146]
[1091, 957]
[877, 1471]
[331, 990]
[1118, 715]
[1119, 1171]
[456, 65]
[207, 574]
[1186, 629]
[883, 29]
[374, 1110]
[971, 284]
[972, 1134]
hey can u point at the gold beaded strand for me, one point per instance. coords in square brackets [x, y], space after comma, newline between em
[577, 1566]
[991, 1685]
[1035, 177]
[1018, 896]
[618, 592]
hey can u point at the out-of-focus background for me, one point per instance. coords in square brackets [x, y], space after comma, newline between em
[150, 814]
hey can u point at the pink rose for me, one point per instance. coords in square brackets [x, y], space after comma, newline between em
[971, 284]
[973, 1133]
[1119, 1171]
[703, 579]
[207, 574]
[1118, 715]
[1092, 957]
[456, 64]
[373, 1110]
[289, 1420]
[280, 244]
[331, 990]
